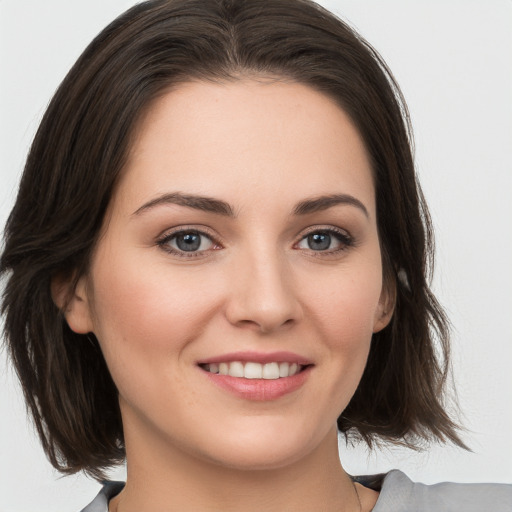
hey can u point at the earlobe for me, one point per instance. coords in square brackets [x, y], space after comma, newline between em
[73, 302]
[385, 309]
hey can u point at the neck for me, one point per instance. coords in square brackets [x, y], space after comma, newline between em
[167, 479]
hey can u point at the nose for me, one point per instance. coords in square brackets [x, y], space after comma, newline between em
[262, 295]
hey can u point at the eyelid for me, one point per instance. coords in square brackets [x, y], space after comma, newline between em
[325, 228]
[343, 233]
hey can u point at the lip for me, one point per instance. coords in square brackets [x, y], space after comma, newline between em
[258, 357]
[259, 389]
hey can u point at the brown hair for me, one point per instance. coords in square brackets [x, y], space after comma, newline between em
[79, 152]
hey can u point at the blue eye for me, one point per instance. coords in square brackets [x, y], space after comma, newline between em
[189, 241]
[325, 241]
[319, 241]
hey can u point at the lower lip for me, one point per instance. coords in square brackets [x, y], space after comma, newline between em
[259, 389]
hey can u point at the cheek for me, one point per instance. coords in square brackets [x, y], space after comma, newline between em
[143, 312]
[347, 303]
[344, 314]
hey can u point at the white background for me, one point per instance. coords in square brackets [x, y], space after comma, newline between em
[453, 60]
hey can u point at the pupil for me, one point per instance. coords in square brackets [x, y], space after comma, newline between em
[319, 241]
[188, 242]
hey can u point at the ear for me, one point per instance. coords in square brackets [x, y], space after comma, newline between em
[386, 306]
[71, 298]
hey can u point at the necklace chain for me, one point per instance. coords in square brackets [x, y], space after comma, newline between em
[357, 496]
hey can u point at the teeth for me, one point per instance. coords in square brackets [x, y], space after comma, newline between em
[236, 369]
[250, 370]
[253, 371]
[271, 371]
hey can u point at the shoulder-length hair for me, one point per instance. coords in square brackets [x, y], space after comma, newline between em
[79, 152]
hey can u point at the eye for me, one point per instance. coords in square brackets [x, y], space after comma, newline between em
[187, 242]
[325, 240]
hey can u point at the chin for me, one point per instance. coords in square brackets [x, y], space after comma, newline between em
[265, 448]
[257, 460]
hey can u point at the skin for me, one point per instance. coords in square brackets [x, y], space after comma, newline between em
[262, 146]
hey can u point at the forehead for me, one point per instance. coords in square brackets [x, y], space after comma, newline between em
[268, 137]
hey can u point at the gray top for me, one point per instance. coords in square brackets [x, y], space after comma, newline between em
[397, 494]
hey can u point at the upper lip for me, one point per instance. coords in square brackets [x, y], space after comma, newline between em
[258, 357]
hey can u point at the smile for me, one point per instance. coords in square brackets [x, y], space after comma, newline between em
[252, 370]
[257, 376]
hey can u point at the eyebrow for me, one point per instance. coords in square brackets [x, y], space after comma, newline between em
[219, 207]
[203, 203]
[325, 202]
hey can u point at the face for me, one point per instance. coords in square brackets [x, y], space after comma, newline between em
[238, 281]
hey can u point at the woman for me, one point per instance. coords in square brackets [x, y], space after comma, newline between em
[221, 260]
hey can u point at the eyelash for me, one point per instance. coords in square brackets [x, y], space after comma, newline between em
[164, 241]
[346, 241]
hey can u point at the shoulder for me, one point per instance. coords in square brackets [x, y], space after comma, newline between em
[400, 494]
[397, 494]
[108, 491]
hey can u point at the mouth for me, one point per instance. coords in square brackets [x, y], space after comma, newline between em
[260, 377]
[253, 370]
